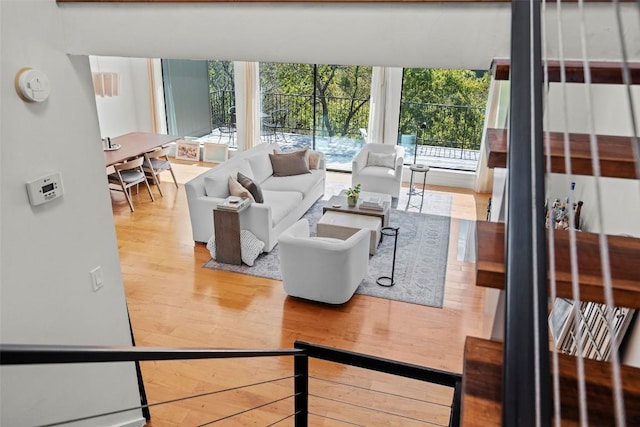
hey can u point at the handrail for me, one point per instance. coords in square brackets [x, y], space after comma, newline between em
[26, 354]
[388, 366]
[379, 364]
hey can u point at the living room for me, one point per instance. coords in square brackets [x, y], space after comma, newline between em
[260, 307]
[149, 258]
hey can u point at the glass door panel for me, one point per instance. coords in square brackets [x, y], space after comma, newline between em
[342, 112]
[287, 104]
[442, 116]
[323, 107]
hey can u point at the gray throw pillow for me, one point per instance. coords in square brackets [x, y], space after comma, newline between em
[252, 186]
[287, 164]
[382, 159]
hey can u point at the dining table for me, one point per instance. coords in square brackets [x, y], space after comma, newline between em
[133, 145]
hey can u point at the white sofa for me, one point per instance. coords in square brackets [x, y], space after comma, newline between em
[322, 268]
[378, 179]
[286, 198]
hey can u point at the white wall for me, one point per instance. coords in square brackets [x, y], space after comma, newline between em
[619, 198]
[438, 35]
[130, 111]
[47, 252]
[609, 108]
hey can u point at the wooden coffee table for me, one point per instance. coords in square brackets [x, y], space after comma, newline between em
[339, 204]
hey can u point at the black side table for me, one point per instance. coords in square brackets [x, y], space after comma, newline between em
[385, 280]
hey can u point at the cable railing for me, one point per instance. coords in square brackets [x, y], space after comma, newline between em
[451, 126]
[303, 403]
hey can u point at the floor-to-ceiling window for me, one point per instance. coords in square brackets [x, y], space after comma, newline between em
[320, 106]
[438, 115]
[222, 97]
[442, 116]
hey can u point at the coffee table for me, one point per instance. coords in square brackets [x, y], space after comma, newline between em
[339, 204]
[342, 225]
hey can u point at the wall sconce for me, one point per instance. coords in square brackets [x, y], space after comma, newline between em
[106, 84]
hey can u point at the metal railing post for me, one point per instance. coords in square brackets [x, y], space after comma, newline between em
[526, 384]
[301, 389]
[454, 419]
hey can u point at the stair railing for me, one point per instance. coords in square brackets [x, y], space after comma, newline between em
[526, 379]
[25, 354]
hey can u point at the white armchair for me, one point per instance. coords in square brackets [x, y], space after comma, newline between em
[321, 268]
[382, 174]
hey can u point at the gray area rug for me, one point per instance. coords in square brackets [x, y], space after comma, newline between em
[421, 259]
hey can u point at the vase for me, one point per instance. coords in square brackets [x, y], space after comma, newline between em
[352, 202]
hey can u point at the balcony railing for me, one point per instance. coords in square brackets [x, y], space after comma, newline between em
[453, 132]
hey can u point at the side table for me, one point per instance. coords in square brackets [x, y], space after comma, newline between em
[226, 225]
[416, 167]
[387, 281]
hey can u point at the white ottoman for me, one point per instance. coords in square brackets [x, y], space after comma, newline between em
[342, 225]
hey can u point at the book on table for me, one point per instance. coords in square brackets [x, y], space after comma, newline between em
[372, 202]
[234, 203]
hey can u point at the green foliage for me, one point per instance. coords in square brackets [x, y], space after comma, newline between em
[353, 193]
[342, 96]
[222, 90]
[450, 102]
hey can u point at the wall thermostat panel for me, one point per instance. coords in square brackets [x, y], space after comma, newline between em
[45, 189]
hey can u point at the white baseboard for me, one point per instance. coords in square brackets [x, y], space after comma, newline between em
[138, 422]
[443, 177]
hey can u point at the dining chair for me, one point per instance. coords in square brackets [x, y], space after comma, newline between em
[155, 162]
[127, 175]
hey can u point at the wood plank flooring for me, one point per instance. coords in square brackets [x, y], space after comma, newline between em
[173, 301]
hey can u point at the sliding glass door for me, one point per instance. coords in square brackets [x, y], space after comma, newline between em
[324, 107]
[342, 112]
[442, 116]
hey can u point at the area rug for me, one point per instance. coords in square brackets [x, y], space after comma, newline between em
[421, 258]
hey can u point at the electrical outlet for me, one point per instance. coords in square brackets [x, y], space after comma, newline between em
[96, 278]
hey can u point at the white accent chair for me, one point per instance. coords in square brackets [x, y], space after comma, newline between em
[378, 179]
[322, 268]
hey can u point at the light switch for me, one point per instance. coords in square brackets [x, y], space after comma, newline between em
[96, 278]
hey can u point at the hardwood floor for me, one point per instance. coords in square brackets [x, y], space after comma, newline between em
[173, 301]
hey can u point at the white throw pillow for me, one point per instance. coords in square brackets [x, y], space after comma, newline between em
[211, 245]
[382, 159]
[236, 189]
[250, 247]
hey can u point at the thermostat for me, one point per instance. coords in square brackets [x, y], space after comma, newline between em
[45, 188]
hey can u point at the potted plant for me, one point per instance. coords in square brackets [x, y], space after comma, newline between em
[352, 195]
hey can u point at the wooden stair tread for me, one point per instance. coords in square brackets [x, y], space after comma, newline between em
[605, 72]
[615, 152]
[482, 387]
[623, 253]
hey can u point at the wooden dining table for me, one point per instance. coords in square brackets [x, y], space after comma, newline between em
[135, 144]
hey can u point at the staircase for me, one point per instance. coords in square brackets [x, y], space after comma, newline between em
[482, 387]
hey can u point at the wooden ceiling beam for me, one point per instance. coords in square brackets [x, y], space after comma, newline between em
[606, 72]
